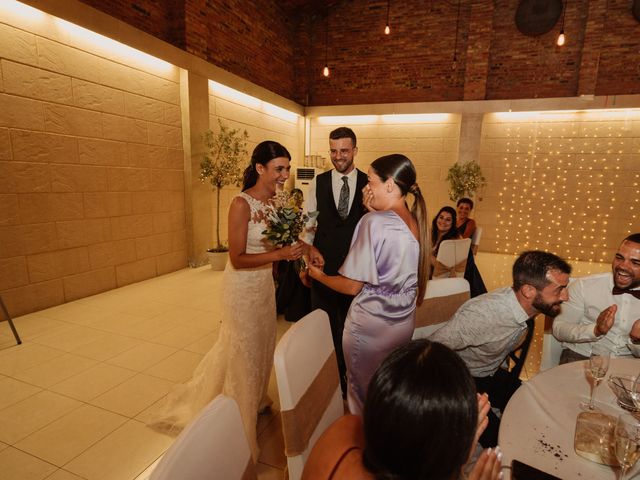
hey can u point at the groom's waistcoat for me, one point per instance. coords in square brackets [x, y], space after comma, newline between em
[333, 234]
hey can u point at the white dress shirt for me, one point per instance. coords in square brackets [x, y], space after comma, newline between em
[588, 297]
[311, 203]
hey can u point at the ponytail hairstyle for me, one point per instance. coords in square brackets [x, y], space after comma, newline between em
[262, 154]
[401, 170]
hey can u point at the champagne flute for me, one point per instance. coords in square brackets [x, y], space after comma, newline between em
[627, 442]
[598, 366]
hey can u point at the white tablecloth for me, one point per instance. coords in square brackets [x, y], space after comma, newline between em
[538, 424]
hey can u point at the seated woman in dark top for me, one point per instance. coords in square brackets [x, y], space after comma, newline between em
[422, 419]
[466, 226]
[443, 227]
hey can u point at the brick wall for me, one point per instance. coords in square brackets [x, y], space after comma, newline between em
[91, 158]
[284, 50]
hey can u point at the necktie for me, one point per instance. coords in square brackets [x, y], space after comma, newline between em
[620, 291]
[343, 201]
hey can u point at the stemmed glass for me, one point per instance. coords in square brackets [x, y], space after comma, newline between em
[598, 366]
[627, 442]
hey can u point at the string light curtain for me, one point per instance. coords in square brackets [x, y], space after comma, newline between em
[566, 182]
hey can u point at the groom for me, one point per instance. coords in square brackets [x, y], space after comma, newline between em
[337, 196]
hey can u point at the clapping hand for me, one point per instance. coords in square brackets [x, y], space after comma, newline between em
[634, 334]
[488, 465]
[605, 320]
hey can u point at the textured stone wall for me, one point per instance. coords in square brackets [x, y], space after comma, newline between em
[260, 125]
[91, 161]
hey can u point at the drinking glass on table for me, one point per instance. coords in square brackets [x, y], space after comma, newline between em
[627, 442]
[598, 366]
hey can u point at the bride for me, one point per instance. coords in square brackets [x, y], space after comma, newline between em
[239, 364]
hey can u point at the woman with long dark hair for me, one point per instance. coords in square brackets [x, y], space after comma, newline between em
[239, 364]
[386, 269]
[422, 420]
[443, 227]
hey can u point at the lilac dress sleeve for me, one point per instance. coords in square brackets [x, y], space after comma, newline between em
[361, 264]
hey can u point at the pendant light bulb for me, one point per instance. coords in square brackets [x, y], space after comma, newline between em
[325, 71]
[561, 39]
[387, 30]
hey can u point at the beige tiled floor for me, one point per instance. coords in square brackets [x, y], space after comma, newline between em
[74, 397]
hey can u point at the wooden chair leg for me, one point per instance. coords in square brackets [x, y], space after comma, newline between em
[11, 325]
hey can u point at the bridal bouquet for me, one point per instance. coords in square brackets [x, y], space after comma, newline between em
[286, 219]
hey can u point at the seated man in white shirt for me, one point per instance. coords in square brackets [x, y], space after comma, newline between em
[485, 329]
[603, 308]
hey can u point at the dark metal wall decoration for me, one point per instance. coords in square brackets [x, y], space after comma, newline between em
[537, 17]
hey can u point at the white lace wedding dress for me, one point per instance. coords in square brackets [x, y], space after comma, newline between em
[240, 362]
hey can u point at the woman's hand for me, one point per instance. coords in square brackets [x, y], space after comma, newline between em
[488, 466]
[313, 271]
[292, 252]
[483, 410]
[367, 198]
[315, 257]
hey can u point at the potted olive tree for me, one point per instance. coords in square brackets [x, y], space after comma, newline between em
[223, 164]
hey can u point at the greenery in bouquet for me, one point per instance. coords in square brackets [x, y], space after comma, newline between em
[286, 219]
[464, 180]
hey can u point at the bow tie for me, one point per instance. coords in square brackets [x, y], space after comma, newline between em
[620, 291]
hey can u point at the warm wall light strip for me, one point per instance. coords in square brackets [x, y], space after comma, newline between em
[388, 119]
[107, 46]
[24, 12]
[24, 16]
[600, 114]
[254, 103]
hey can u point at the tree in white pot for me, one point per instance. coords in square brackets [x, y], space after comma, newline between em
[223, 164]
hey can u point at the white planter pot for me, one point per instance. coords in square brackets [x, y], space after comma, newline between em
[218, 260]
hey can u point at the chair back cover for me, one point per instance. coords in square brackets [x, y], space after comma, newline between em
[213, 445]
[308, 386]
[443, 297]
[452, 258]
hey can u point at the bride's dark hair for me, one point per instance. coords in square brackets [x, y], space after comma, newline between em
[262, 154]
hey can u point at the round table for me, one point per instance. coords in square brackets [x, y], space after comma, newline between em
[538, 424]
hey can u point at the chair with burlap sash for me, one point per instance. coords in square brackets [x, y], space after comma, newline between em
[308, 386]
[452, 258]
[213, 445]
[443, 297]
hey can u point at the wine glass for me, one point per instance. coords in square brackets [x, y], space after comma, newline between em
[598, 366]
[627, 442]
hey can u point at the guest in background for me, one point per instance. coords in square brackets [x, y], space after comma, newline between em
[422, 419]
[485, 329]
[443, 227]
[337, 197]
[386, 269]
[466, 226]
[603, 308]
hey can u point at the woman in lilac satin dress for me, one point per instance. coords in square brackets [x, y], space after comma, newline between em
[386, 269]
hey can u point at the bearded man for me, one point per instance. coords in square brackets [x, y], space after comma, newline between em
[485, 329]
[603, 308]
